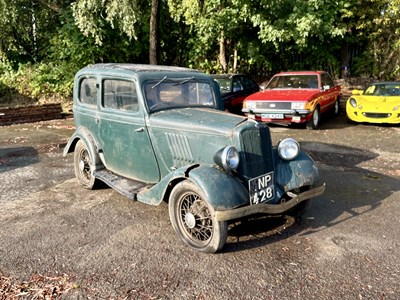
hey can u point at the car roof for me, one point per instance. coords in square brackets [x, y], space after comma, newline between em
[139, 67]
[385, 82]
[217, 76]
[300, 73]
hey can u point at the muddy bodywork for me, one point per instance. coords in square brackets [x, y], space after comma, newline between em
[144, 151]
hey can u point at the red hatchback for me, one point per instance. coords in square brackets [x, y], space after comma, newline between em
[295, 97]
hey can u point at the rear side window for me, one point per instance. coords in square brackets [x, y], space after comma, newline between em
[120, 94]
[88, 91]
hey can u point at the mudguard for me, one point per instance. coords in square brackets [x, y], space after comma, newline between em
[296, 173]
[83, 134]
[222, 190]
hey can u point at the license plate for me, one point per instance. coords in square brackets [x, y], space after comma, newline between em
[271, 116]
[262, 188]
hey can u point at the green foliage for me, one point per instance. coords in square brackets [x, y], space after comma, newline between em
[43, 44]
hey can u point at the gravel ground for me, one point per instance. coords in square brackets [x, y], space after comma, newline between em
[60, 241]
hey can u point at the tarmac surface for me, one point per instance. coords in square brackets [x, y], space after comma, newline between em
[60, 240]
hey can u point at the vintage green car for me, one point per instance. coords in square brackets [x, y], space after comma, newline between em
[158, 133]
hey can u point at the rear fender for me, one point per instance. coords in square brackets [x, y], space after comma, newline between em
[83, 134]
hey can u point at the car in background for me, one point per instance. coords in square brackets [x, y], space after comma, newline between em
[234, 89]
[378, 103]
[158, 133]
[295, 97]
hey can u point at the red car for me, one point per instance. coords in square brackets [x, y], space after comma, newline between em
[295, 97]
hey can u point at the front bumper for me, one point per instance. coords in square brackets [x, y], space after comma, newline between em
[286, 115]
[269, 208]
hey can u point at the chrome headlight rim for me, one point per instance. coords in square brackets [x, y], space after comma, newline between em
[227, 158]
[288, 149]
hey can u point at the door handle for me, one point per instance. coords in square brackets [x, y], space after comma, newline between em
[141, 129]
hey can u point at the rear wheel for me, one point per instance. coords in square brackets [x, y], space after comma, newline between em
[193, 219]
[83, 166]
[315, 119]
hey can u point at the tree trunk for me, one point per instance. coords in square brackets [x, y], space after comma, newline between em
[153, 32]
[222, 57]
[344, 60]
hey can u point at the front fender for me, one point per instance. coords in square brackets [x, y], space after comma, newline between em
[83, 134]
[296, 173]
[222, 190]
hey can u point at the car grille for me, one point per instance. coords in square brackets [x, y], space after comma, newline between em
[273, 105]
[256, 157]
[377, 115]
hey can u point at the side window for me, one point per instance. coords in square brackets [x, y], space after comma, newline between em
[237, 85]
[326, 81]
[88, 91]
[120, 94]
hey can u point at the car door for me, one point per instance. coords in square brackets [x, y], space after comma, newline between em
[329, 95]
[124, 139]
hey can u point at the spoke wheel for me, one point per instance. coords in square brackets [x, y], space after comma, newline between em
[83, 166]
[193, 219]
[315, 119]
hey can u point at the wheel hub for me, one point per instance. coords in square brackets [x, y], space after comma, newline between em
[190, 220]
[81, 165]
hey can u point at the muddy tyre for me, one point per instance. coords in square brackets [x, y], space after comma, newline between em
[83, 165]
[193, 219]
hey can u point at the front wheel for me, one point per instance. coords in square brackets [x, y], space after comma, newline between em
[336, 107]
[193, 219]
[315, 119]
[83, 166]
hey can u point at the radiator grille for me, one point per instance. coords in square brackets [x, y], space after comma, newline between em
[273, 105]
[256, 157]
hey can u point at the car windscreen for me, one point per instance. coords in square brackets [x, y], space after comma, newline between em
[389, 89]
[225, 85]
[177, 93]
[293, 82]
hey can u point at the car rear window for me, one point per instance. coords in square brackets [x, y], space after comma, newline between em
[88, 91]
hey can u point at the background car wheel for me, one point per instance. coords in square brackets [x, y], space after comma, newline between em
[301, 208]
[82, 166]
[193, 219]
[336, 107]
[315, 118]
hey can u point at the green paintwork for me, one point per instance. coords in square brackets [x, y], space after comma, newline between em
[166, 145]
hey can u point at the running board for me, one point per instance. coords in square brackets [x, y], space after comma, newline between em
[125, 186]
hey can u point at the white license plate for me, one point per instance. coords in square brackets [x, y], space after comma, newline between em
[262, 188]
[271, 116]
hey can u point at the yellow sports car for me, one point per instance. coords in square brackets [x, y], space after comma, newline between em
[378, 103]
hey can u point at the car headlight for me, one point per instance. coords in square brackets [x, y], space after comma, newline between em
[288, 149]
[353, 102]
[298, 105]
[227, 158]
[249, 104]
